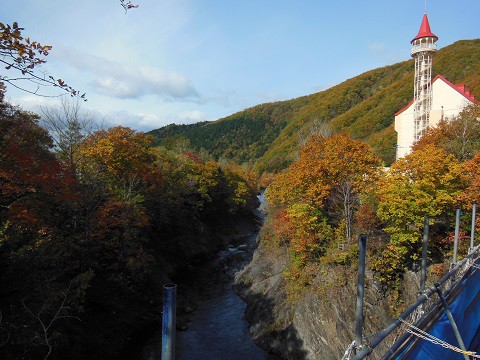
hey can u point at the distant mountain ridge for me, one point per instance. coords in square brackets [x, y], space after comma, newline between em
[267, 136]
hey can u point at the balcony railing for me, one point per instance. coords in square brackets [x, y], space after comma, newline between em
[424, 47]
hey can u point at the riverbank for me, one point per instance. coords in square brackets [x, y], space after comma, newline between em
[210, 315]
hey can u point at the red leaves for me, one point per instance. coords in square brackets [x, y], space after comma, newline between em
[114, 218]
[28, 170]
[282, 226]
[367, 218]
[192, 156]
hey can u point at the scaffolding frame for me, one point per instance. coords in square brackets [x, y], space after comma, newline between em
[423, 50]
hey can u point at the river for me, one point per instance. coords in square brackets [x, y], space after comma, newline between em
[217, 328]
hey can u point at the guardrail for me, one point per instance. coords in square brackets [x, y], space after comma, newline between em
[424, 312]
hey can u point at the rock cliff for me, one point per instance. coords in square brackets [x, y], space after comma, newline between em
[321, 324]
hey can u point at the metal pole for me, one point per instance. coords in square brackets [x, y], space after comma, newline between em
[423, 278]
[360, 291]
[472, 233]
[452, 321]
[457, 231]
[169, 321]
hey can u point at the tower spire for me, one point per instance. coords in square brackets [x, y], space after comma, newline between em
[425, 30]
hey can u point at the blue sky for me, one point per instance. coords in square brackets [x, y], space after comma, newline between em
[185, 61]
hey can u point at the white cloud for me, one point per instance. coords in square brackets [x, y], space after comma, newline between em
[30, 101]
[127, 81]
[148, 121]
[378, 49]
[190, 117]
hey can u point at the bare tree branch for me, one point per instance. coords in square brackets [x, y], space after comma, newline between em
[23, 55]
[69, 126]
[47, 325]
[3, 339]
[127, 5]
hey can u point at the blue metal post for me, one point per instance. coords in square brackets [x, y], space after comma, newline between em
[452, 321]
[457, 232]
[472, 233]
[360, 291]
[423, 278]
[169, 321]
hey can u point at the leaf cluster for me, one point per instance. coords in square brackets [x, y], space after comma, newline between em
[315, 202]
[19, 53]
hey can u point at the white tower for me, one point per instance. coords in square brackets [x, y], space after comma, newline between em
[423, 49]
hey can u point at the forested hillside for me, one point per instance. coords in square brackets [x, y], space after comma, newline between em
[267, 136]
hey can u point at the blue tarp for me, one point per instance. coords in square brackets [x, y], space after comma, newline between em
[466, 312]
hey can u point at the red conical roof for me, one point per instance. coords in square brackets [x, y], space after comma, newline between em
[425, 30]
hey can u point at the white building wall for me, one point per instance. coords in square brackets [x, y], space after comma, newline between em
[450, 99]
[404, 126]
[446, 102]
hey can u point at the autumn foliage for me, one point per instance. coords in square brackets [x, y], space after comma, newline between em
[102, 237]
[23, 56]
[316, 200]
[336, 191]
[425, 184]
[457, 136]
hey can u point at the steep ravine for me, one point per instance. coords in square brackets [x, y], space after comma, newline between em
[210, 315]
[321, 324]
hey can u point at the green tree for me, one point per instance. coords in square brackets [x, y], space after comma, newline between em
[458, 136]
[426, 183]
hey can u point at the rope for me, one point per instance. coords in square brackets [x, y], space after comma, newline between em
[417, 314]
[349, 351]
[412, 329]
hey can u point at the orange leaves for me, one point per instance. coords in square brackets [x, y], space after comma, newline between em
[282, 226]
[121, 158]
[23, 55]
[425, 183]
[322, 165]
[472, 192]
[120, 151]
[315, 200]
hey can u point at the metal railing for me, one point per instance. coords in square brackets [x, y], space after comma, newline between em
[423, 47]
[415, 313]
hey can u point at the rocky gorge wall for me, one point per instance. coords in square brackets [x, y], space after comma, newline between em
[321, 324]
